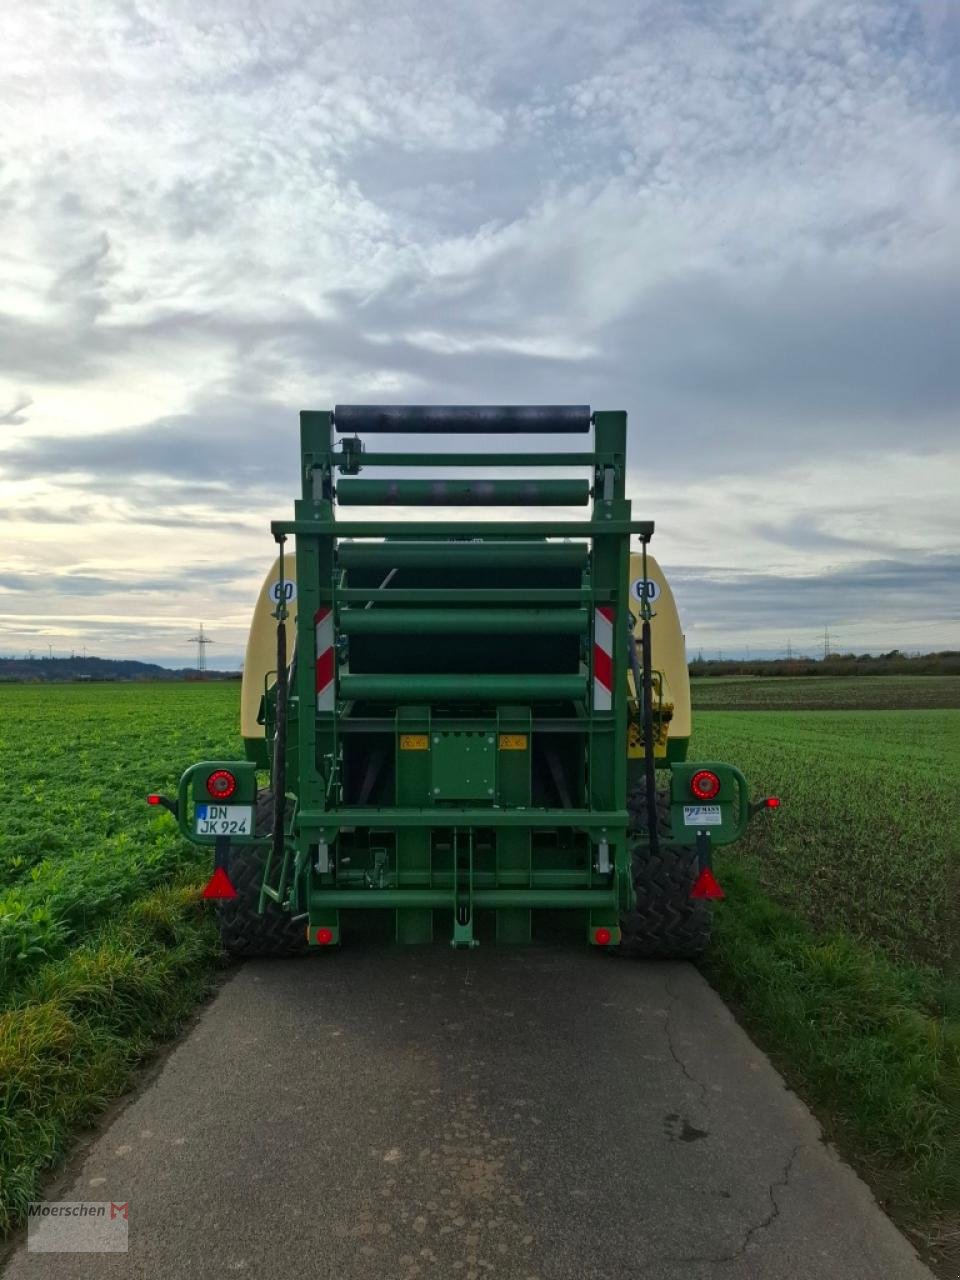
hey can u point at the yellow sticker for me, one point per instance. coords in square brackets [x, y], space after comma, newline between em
[414, 742]
[513, 742]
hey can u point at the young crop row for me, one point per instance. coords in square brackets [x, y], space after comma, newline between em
[77, 841]
[866, 838]
[829, 693]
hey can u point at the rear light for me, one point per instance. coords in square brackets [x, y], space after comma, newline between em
[772, 802]
[602, 937]
[221, 784]
[153, 799]
[324, 936]
[705, 785]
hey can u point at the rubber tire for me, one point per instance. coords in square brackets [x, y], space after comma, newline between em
[666, 924]
[243, 931]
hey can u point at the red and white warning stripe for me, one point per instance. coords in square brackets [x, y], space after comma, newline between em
[603, 658]
[323, 621]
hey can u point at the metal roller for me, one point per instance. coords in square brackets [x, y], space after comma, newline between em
[463, 493]
[515, 419]
[472, 688]
[459, 555]
[392, 621]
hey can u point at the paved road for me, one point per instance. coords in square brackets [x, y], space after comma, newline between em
[556, 1115]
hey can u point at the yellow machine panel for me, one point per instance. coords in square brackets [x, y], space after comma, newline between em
[261, 655]
[667, 643]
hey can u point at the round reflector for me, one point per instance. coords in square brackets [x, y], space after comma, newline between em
[324, 936]
[602, 937]
[221, 784]
[705, 785]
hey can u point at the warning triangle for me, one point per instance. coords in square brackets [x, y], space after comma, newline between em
[219, 886]
[706, 886]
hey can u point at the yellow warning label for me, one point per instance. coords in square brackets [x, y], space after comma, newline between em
[414, 742]
[513, 742]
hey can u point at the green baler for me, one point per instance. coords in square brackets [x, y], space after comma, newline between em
[464, 722]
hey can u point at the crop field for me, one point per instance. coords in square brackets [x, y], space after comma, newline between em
[833, 944]
[838, 940]
[827, 693]
[103, 944]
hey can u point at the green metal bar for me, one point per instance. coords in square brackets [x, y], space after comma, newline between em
[533, 898]
[465, 595]
[461, 493]
[463, 528]
[456, 555]
[387, 819]
[467, 688]
[378, 459]
[459, 621]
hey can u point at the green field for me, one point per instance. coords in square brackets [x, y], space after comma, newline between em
[833, 942]
[835, 693]
[104, 947]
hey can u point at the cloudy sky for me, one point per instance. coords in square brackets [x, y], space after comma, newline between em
[737, 219]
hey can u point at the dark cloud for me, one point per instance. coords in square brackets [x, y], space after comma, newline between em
[921, 591]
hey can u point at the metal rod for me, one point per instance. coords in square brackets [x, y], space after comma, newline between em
[392, 621]
[468, 595]
[533, 529]
[383, 458]
[461, 418]
[649, 763]
[389, 819]
[463, 493]
[432, 898]
[462, 688]
[487, 554]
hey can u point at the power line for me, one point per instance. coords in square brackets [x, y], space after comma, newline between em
[201, 641]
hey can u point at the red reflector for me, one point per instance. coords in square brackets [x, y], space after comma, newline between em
[324, 937]
[706, 886]
[704, 784]
[602, 937]
[151, 799]
[772, 802]
[221, 784]
[219, 886]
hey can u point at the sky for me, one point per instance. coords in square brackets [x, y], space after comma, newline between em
[738, 220]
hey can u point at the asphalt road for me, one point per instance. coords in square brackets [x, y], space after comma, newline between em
[548, 1114]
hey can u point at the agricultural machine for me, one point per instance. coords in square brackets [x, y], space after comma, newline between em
[473, 729]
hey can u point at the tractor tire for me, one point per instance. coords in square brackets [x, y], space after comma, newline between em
[666, 923]
[244, 932]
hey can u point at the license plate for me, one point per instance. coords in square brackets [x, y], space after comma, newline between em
[224, 819]
[702, 815]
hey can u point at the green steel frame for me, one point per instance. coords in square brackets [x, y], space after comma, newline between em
[427, 861]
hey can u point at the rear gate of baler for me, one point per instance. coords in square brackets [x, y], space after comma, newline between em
[457, 715]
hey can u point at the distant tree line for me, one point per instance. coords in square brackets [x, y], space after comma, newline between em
[68, 670]
[894, 663]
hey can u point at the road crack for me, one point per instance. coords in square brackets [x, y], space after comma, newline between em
[778, 1184]
[674, 1051]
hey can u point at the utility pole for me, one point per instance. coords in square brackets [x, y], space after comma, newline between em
[826, 643]
[201, 641]
[789, 651]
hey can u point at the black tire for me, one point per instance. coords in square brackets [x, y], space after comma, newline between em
[666, 924]
[243, 931]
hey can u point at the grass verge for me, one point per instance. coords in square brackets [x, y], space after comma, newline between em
[872, 1043]
[71, 1037]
